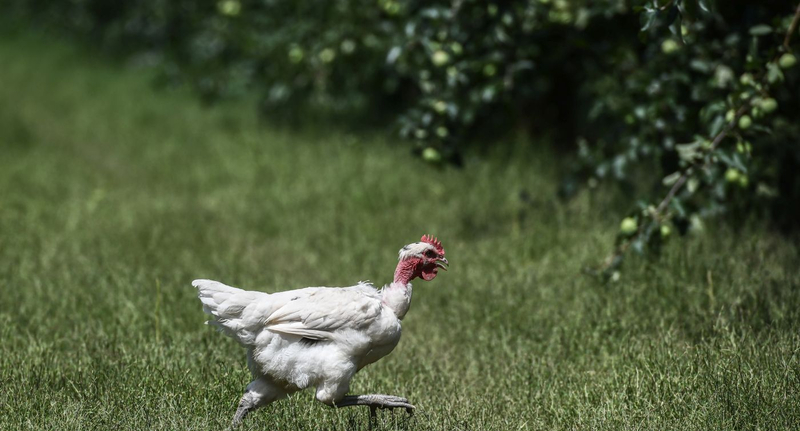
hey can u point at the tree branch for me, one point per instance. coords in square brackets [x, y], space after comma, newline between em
[714, 144]
[792, 28]
[689, 170]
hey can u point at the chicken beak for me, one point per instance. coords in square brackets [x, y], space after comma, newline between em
[442, 263]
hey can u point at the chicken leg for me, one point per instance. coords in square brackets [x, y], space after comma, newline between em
[259, 393]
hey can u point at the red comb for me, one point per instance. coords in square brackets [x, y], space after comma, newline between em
[434, 242]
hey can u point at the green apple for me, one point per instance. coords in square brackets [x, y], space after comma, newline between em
[787, 60]
[731, 175]
[769, 105]
[440, 58]
[431, 155]
[296, 54]
[743, 181]
[669, 46]
[229, 7]
[745, 122]
[348, 46]
[327, 55]
[628, 226]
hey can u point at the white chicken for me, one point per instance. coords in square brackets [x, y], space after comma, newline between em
[319, 336]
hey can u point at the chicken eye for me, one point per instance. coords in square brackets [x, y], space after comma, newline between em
[430, 254]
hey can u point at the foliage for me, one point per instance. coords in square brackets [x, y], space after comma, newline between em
[704, 107]
[447, 68]
[115, 197]
[639, 88]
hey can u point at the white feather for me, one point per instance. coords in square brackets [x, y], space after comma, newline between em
[416, 249]
[316, 336]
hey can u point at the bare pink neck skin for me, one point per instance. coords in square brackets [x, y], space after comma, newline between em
[406, 271]
[397, 295]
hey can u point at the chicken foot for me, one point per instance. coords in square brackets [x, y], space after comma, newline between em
[376, 401]
[247, 404]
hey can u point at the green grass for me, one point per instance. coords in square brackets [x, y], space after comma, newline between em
[113, 197]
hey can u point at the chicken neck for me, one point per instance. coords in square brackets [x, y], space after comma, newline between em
[397, 295]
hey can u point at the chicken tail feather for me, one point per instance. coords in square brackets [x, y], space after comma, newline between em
[228, 307]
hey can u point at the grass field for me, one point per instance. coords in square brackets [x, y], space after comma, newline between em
[113, 197]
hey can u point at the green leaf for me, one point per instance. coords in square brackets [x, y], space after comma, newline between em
[760, 30]
[700, 65]
[731, 161]
[737, 159]
[393, 55]
[647, 18]
[674, 21]
[716, 125]
[761, 128]
[688, 9]
[688, 152]
[637, 245]
[677, 205]
[692, 185]
[671, 178]
[774, 73]
[672, 15]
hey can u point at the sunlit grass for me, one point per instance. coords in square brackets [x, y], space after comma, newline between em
[113, 197]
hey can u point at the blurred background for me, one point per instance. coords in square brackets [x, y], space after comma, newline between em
[613, 86]
[616, 181]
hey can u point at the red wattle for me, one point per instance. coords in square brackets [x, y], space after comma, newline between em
[410, 269]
